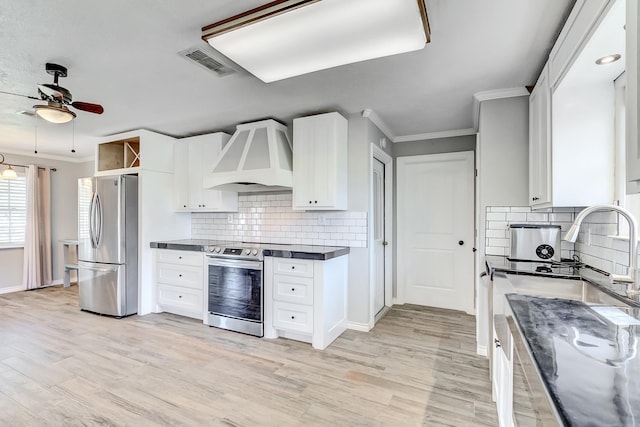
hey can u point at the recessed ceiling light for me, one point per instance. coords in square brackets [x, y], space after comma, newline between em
[608, 59]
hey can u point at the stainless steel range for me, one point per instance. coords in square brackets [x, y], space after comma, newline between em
[235, 287]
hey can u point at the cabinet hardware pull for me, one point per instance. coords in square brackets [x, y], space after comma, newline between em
[309, 201]
[179, 296]
[179, 275]
[184, 206]
[293, 289]
[316, 202]
[293, 267]
[179, 257]
[535, 198]
[293, 317]
[497, 342]
[461, 242]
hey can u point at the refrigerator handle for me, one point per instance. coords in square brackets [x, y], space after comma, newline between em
[100, 220]
[92, 217]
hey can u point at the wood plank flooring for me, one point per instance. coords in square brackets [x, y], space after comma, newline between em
[63, 367]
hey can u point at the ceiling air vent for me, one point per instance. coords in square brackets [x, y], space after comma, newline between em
[205, 58]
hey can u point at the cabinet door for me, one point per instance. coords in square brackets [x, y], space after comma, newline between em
[196, 153]
[540, 142]
[181, 176]
[632, 99]
[320, 162]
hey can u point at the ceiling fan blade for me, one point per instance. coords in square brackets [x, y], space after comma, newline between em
[19, 94]
[87, 106]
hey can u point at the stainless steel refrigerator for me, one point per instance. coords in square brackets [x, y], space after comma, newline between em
[108, 244]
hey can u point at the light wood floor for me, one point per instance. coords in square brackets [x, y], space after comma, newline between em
[63, 367]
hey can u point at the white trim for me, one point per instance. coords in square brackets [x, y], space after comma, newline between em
[47, 156]
[482, 350]
[435, 135]
[489, 95]
[376, 120]
[362, 327]
[12, 289]
[379, 154]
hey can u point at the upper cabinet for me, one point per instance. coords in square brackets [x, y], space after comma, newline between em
[631, 107]
[193, 157]
[133, 151]
[540, 142]
[572, 135]
[320, 162]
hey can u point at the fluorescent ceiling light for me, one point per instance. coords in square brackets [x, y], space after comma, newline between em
[54, 112]
[289, 38]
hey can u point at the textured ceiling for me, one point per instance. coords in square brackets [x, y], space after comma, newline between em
[123, 55]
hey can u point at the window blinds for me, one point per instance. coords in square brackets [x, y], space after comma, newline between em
[13, 211]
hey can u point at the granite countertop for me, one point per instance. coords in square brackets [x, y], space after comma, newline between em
[321, 253]
[503, 264]
[587, 356]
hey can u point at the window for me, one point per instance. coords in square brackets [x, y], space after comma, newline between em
[13, 211]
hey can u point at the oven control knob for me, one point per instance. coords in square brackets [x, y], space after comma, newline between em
[210, 249]
[254, 252]
[217, 250]
[247, 251]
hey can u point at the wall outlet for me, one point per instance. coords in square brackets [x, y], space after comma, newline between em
[230, 219]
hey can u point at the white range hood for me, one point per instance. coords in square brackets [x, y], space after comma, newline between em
[257, 158]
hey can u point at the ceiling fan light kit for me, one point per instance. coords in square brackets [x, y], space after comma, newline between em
[54, 112]
[287, 38]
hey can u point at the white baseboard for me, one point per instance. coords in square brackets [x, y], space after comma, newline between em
[362, 327]
[11, 289]
[482, 350]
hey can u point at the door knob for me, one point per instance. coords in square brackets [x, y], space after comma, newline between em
[385, 243]
[461, 242]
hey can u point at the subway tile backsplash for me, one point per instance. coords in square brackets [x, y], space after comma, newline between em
[595, 245]
[269, 218]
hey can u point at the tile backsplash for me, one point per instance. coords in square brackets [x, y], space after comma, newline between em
[595, 245]
[269, 218]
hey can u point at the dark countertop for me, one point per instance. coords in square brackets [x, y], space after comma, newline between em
[587, 356]
[503, 264]
[320, 253]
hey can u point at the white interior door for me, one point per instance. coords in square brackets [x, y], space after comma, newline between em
[436, 230]
[379, 242]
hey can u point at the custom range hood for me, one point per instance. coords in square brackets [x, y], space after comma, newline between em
[257, 158]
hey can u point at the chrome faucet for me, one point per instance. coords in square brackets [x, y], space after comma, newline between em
[631, 279]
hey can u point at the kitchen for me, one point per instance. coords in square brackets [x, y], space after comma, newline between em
[498, 186]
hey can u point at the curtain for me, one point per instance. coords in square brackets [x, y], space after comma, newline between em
[37, 242]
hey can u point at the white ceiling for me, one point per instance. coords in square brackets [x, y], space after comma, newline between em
[123, 55]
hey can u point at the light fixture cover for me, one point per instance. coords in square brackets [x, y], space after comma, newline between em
[316, 35]
[9, 173]
[54, 112]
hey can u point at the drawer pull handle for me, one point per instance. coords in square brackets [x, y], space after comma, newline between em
[497, 342]
[293, 267]
[293, 289]
[179, 296]
[179, 275]
[293, 317]
[179, 257]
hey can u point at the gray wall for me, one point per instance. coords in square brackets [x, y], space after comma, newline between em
[64, 216]
[503, 157]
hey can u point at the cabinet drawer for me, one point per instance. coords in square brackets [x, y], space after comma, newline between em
[174, 274]
[293, 317]
[180, 257]
[293, 267]
[179, 300]
[298, 290]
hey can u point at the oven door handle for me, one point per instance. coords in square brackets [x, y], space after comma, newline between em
[236, 263]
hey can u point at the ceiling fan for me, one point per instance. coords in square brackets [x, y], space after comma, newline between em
[58, 98]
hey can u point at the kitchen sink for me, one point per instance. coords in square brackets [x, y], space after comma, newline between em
[577, 290]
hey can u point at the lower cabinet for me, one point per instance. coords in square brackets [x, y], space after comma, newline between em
[179, 278]
[305, 300]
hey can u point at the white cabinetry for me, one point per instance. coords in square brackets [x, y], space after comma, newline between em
[632, 99]
[540, 141]
[320, 162]
[134, 151]
[150, 156]
[571, 127]
[502, 354]
[306, 300]
[194, 156]
[179, 279]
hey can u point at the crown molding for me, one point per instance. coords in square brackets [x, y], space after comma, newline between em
[489, 95]
[435, 135]
[47, 156]
[376, 120]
